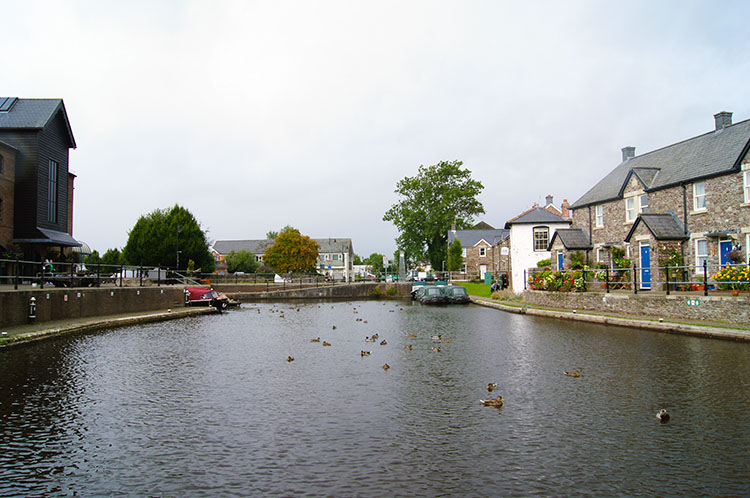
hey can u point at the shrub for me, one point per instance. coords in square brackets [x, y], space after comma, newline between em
[543, 263]
[576, 260]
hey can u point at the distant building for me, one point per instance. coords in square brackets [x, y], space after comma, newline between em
[335, 256]
[481, 249]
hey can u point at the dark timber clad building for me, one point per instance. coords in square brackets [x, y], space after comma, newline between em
[39, 132]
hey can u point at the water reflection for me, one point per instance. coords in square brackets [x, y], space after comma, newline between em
[209, 406]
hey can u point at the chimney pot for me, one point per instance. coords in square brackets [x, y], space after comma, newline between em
[723, 119]
[628, 153]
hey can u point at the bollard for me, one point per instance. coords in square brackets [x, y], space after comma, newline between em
[32, 310]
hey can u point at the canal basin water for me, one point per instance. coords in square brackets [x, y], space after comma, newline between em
[210, 406]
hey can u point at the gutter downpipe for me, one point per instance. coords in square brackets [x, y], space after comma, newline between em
[685, 226]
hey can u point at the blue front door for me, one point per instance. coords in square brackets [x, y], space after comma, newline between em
[645, 266]
[559, 261]
[725, 247]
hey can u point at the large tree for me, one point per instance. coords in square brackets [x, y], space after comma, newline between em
[438, 196]
[292, 252]
[375, 260]
[242, 260]
[157, 237]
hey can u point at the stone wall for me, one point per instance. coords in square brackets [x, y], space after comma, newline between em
[719, 308]
[60, 304]
[352, 291]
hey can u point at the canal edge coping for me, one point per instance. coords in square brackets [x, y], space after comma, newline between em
[648, 324]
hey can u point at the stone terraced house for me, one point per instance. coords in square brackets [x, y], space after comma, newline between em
[482, 249]
[691, 198]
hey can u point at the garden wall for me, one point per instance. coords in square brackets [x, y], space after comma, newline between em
[714, 308]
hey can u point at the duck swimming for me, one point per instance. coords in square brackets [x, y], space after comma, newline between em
[492, 386]
[663, 415]
[289, 358]
[436, 337]
[369, 339]
[411, 335]
[326, 343]
[577, 373]
[383, 342]
[317, 339]
[365, 353]
[437, 350]
[496, 402]
[386, 366]
[409, 347]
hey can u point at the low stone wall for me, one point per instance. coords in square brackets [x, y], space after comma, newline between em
[718, 308]
[60, 304]
[340, 291]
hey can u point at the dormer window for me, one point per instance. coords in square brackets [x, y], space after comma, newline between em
[699, 196]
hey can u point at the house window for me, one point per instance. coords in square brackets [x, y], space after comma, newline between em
[335, 257]
[701, 253]
[599, 215]
[643, 201]
[541, 238]
[482, 252]
[699, 196]
[599, 254]
[259, 258]
[745, 181]
[52, 193]
[630, 209]
[463, 252]
[463, 268]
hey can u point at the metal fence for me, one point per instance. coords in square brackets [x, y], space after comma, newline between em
[735, 277]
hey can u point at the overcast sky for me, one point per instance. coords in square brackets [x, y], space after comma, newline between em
[255, 115]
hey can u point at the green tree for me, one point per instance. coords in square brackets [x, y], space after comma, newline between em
[271, 235]
[242, 260]
[455, 256]
[157, 237]
[112, 257]
[375, 260]
[93, 258]
[438, 196]
[292, 252]
[357, 260]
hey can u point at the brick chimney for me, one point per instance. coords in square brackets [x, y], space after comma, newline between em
[723, 119]
[565, 208]
[628, 153]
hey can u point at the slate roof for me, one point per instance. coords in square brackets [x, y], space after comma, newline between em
[253, 246]
[34, 114]
[572, 239]
[329, 245]
[711, 154]
[471, 237]
[536, 215]
[665, 226]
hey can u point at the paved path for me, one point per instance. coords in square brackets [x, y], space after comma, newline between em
[732, 332]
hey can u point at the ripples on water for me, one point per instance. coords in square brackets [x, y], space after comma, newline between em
[209, 406]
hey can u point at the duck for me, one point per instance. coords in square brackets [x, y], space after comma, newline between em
[383, 342]
[386, 366]
[408, 347]
[496, 402]
[437, 350]
[290, 358]
[436, 337]
[334, 327]
[317, 339]
[491, 386]
[375, 336]
[369, 339]
[411, 335]
[663, 415]
[365, 353]
[326, 343]
[577, 373]
[365, 321]
[446, 341]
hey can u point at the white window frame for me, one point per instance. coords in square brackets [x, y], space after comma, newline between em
[643, 207]
[630, 210]
[536, 230]
[746, 183]
[699, 257]
[482, 252]
[699, 199]
[599, 216]
[463, 253]
[335, 257]
[463, 268]
[599, 254]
